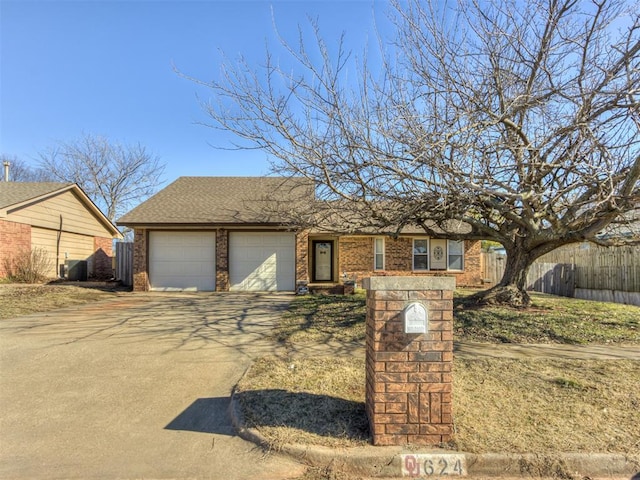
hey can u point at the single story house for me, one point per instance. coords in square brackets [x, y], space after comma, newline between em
[212, 234]
[58, 218]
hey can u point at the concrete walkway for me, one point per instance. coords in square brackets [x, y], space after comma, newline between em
[470, 350]
[137, 387]
[554, 351]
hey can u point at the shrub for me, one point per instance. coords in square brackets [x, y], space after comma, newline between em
[28, 266]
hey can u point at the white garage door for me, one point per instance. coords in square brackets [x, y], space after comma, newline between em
[182, 261]
[262, 261]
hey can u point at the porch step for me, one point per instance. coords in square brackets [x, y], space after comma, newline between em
[330, 289]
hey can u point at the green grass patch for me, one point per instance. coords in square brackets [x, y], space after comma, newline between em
[549, 319]
[323, 318]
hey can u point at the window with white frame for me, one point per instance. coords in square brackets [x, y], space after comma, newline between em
[420, 254]
[378, 253]
[455, 251]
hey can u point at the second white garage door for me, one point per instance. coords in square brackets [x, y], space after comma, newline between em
[261, 261]
[182, 261]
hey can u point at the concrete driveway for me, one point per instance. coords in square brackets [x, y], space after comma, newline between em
[136, 387]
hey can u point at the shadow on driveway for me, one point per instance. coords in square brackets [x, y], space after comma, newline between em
[136, 387]
[205, 415]
[239, 321]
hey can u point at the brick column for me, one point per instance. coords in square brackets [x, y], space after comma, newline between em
[222, 260]
[302, 257]
[140, 267]
[409, 384]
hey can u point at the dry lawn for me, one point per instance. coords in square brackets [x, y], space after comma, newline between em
[519, 406]
[312, 401]
[547, 406]
[20, 299]
[500, 405]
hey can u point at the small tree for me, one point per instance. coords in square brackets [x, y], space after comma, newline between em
[114, 176]
[517, 122]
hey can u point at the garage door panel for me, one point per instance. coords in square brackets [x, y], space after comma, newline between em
[182, 261]
[261, 261]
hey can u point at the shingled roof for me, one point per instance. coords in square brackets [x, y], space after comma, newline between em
[13, 193]
[219, 201]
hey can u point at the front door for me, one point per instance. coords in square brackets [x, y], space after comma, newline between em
[438, 254]
[322, 260]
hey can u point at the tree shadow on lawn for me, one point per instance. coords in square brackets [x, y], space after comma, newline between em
[320, 415]
[324, 318]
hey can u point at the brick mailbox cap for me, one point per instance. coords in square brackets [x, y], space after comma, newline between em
[409, 283]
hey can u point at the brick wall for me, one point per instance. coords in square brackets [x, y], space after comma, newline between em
[140, 268]
[398, 254]
[408, 376]
[222, 260]
[356, 259]
[302, 257]
[355, 254]
[102, 258]
[14, 237]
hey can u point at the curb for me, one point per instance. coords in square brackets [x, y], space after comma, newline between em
[387, 462]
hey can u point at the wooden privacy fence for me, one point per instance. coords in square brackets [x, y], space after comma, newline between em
[554, 278]
[583, 271]
[124, 263]
[601, 268]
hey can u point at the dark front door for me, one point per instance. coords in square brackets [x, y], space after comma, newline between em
[322, 260]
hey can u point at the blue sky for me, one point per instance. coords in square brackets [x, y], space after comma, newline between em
[106, 68]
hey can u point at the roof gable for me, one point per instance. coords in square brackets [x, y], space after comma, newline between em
[17, 195]
[219, 200]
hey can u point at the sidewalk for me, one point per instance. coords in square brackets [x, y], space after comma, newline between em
[559, 351]
[470, 350]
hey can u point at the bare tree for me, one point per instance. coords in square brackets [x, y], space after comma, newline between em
[114, 176]
[518, 121]
[20, 171]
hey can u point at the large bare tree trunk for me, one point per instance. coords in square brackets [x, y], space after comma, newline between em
[511, 290]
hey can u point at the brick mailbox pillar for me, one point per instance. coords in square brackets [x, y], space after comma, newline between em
[409, 384]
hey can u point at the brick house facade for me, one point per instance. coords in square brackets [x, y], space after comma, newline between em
[208, 233]
[355, 258]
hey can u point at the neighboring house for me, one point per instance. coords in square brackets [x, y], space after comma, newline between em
[58, 218]
[211, 234]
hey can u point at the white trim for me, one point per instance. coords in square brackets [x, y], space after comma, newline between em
[461, 242]
[427, 254]
[376, 253]
[422, 254]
